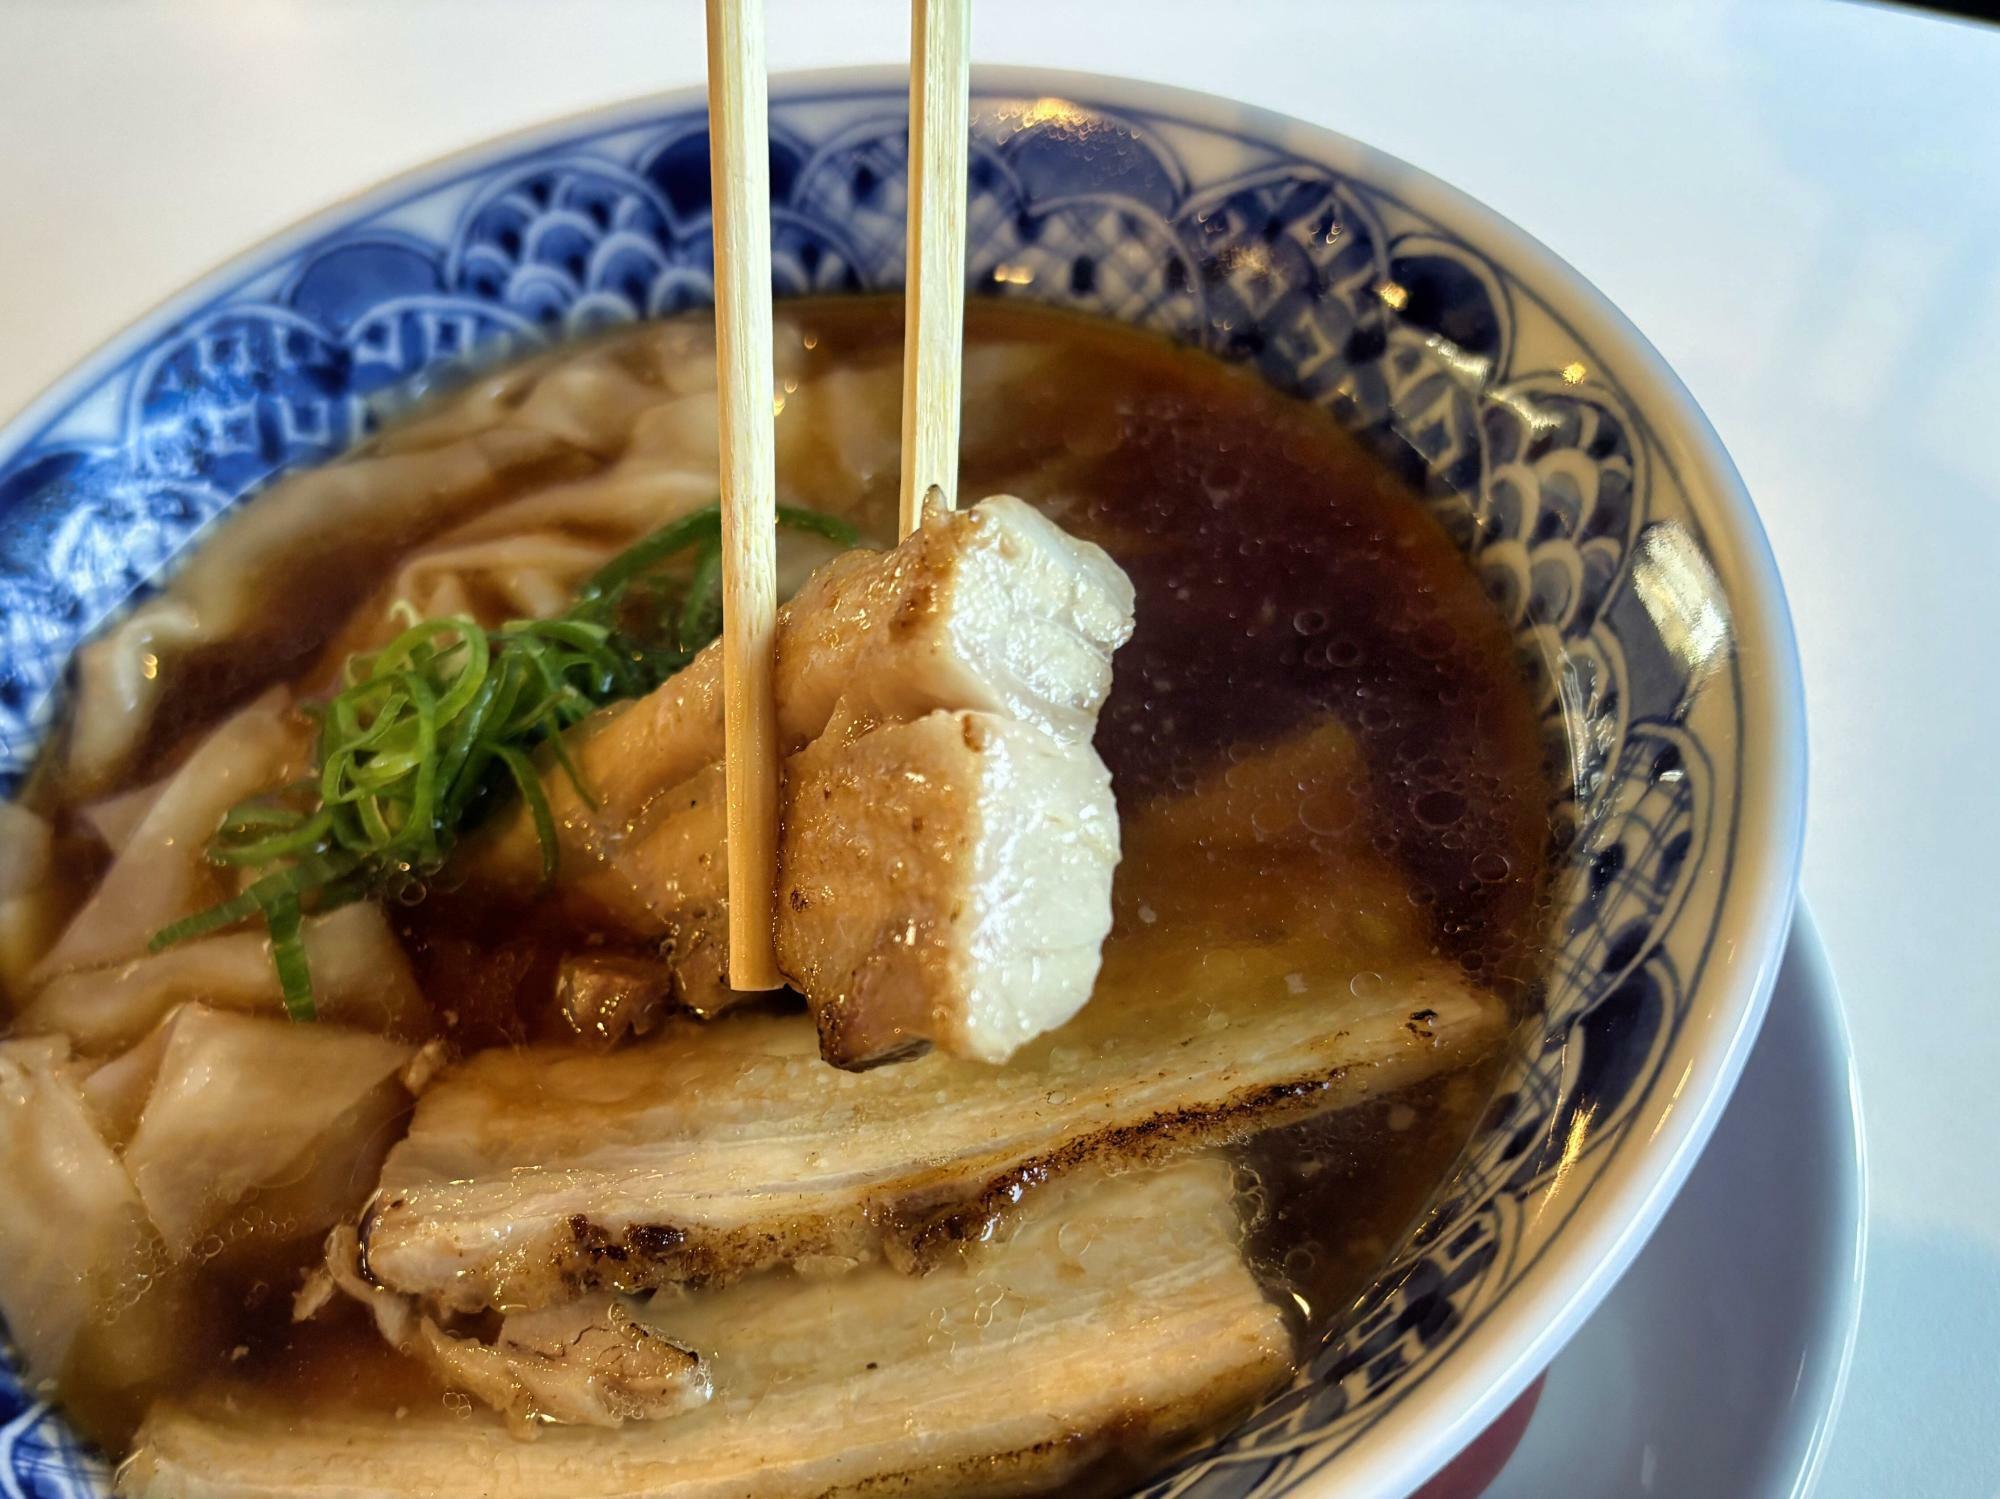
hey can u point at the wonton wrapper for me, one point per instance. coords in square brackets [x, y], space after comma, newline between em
[72, 1228]
[162, 874]
[236, 1105]
[359, 973]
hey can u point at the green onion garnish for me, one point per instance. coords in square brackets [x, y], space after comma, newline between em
[427, 730]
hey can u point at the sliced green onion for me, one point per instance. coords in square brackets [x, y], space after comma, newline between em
[303, 835]
[695, 526]
[701, 615]
[530, 786]
[832, 527]
[288, 953]
[465, 733]
[223, 914]
[246, 817]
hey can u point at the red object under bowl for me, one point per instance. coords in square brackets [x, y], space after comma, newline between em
[1467, 1475]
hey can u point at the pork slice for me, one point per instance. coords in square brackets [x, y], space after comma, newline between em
[942, 882]
[711, 1150]
[588, 1362]
[1119, 1322]
[993, 608]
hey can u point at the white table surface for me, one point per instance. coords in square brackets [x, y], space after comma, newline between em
[1797, 200]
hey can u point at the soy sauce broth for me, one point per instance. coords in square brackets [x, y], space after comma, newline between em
[1285, 575]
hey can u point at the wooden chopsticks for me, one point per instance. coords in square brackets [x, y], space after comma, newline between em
[739, 169]
[739, 159]
[934, 258]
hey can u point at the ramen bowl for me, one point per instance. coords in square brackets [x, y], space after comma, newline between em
[1548, 438]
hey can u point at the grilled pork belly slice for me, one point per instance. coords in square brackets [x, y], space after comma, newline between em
[588, 1362]
[947, 883]
[708, 1151]
[993, 608]
[942, 882]
[945, 866]
[1120, 1318]
[606, 997]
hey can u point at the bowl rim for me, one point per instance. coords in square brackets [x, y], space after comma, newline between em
[1544, 1306]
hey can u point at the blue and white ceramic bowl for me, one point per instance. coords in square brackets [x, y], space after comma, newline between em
[1558, 449]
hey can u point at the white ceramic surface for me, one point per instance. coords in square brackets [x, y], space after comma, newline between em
[1758, 1265]
[1795, 198]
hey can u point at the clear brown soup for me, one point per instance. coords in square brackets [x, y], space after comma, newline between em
[1284, 573]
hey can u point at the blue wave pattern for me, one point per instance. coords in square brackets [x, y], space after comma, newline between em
[40, 1458]
[1331, 289]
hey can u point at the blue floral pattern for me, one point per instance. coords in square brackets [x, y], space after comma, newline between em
[1330, 286]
